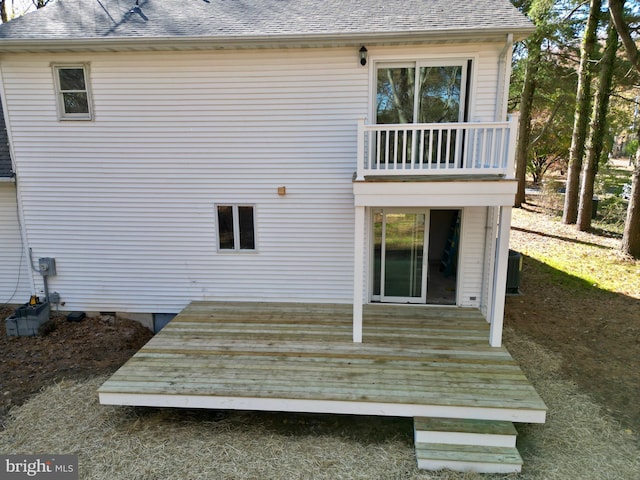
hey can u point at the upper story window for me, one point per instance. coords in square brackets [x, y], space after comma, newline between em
[73, 92]
[236, 227]
[422, 92]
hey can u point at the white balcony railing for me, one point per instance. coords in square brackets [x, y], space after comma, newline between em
[472, 148]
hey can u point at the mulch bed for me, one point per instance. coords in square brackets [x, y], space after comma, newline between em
[75, 350]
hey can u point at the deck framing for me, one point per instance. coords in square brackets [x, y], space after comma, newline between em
[413, 362]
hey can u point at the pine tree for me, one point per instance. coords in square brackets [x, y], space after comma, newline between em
[581, 122]
[597, 129]
[631, 236]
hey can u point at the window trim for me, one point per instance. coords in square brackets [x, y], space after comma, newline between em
[62, 115]
[236, 228]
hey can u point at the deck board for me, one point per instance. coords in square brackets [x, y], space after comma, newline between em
[417, 361]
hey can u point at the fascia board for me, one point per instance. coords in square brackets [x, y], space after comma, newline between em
[280, 41]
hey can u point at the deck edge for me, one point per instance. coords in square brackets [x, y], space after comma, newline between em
[320, 406]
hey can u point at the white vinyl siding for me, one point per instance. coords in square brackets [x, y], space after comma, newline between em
[472, 255]
[124, 203]
[486, 87]
[14, 273]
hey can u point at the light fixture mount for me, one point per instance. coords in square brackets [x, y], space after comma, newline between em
[363, 55]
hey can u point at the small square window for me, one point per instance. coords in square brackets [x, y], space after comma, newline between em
[72, 92]
[236, 227]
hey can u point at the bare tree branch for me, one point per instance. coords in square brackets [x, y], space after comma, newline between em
[549, 121]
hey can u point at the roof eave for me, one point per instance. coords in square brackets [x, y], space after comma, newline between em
[260, 41]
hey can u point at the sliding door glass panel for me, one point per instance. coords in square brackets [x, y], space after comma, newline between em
[395, 103]
[440, 94]
[440, 101]
[377, 251]
[395, 95]
[403, 254]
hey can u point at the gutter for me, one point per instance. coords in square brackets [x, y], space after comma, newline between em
[256, 41]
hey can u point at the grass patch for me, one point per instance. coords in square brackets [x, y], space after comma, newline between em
[595, 259]
[612, 208]
[561, 279]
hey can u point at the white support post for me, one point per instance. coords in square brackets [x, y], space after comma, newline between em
[500, 277]
[358, 273]
[360, 152]
[492, 222]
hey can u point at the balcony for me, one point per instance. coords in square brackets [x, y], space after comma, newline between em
[469, 148]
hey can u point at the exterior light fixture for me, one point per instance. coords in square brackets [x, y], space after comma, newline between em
[363, 55]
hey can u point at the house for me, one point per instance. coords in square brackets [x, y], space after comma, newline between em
[14, 274]
[208, 152]
[337, 152]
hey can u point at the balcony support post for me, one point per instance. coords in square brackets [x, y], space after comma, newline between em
[360, 152]
[358, 272]
[500, 277]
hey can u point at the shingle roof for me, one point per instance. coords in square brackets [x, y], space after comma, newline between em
[120, 19]
[5, 158]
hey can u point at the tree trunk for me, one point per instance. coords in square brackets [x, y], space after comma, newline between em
[581, 121]
[616, 9]
[597, 129]
[631, 236]
[526, 102]
[3, 11]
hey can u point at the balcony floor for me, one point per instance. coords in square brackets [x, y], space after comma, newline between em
[414, 361]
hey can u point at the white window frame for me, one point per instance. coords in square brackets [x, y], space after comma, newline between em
[422, 59]
[236, 228]
[62, 115]
[417, 64]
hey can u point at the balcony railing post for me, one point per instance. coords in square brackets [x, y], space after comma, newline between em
[513, 139]
[360, 151]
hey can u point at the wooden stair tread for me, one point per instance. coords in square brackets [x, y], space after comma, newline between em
[457, 425]
[468, 454]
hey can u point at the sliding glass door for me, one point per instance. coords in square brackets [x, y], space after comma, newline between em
[421, 92]
[399, 263]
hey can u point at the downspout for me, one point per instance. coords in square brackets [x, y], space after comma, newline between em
[504, 72]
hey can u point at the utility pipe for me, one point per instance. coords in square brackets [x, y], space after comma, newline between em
[504, 72]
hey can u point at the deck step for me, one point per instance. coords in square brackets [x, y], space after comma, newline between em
[488, 433]
[468, 458]
[483, 446]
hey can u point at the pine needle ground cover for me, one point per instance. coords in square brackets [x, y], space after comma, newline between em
[580, 298]
[122, 443]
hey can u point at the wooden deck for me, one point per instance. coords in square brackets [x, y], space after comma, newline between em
[413, 362]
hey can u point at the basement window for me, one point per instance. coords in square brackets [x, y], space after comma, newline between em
[236, 228]
[73, 96]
